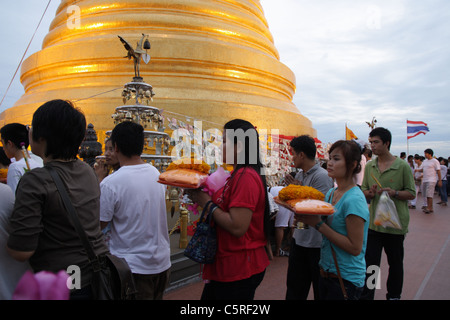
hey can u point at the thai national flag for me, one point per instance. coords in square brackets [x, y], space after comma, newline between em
[415, 128]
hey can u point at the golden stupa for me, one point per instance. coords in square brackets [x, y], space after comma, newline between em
[210, 60]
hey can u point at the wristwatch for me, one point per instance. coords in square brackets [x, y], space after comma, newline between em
[396, 194]
[317, 226]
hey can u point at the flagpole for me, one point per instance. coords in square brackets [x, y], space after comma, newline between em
[407, 140]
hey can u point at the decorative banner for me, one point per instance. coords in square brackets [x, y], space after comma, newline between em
[205, 139]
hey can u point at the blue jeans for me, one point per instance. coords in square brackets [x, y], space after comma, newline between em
[443, 191]
[330, 289]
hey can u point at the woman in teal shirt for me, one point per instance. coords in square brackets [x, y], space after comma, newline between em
[345, 231]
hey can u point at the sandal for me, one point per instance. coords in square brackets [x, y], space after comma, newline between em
[283, 253]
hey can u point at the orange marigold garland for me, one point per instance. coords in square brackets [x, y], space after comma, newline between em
[293, 191]
[304, 200]
[184, 163]
[3, 175]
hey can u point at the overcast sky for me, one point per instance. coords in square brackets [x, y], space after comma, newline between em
[357, 59]
[353, 60]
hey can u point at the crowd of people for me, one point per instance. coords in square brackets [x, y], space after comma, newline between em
[430, 176]
[37, 233]
[401, 179]
[127, 207]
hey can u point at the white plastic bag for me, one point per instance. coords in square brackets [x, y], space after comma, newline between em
[386, 214]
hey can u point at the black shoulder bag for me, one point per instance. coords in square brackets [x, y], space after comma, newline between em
[112, 278]
[203, 244]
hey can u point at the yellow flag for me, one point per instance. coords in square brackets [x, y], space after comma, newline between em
[349, 135]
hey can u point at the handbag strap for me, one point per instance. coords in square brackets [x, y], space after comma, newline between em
[341, 282]
[204, 211]
[93, 258]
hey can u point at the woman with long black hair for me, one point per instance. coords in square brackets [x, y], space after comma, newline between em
[240, 211]
[344, 243]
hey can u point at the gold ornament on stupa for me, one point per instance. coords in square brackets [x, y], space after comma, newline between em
[210, 60]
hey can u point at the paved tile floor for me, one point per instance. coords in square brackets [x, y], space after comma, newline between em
[426, 264]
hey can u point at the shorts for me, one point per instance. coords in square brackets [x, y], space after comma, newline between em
[428, 189]
[284, 218]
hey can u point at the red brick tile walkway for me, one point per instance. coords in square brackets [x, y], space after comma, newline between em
[426, 264]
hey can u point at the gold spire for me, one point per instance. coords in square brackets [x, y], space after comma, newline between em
[210, 60]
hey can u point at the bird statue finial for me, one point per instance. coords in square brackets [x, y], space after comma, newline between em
[137, 53]
[372, 124]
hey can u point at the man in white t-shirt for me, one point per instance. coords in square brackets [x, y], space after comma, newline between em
[283, 220]
[13, 136]
[134, 202]
[431, 175]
